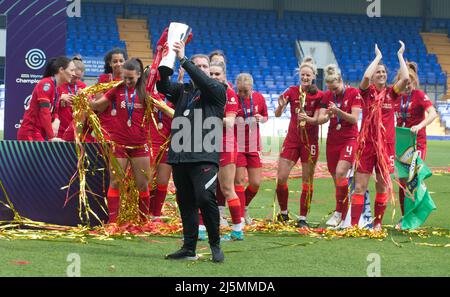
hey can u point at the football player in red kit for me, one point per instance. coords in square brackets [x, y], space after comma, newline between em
[376, 142]
[160, 128]
[68, 90]
[301, 141]
[252, 112]
[114, 61]
[218, 56]
[39, 119]
[228, 155]
[414, 110]
[341, 105]
[130, 137]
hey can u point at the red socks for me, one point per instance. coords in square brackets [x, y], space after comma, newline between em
[283, 196]
[250, 193]
[342, 196]
[144, 204]
[235, 210]
[306, 198]
[357, 208]
[380, 207]
[240, 191]
[157, 201]
[200, 218]
[113, 198]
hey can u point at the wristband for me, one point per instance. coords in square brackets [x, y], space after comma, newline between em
[183, 60]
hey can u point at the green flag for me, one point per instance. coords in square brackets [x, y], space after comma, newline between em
[418, 202]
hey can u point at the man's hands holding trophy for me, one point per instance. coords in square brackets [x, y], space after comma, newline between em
[179, 49]
[178, 35]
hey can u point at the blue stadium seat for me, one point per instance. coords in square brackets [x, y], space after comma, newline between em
[256, 41]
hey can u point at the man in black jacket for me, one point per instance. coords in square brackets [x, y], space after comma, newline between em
[194, 150]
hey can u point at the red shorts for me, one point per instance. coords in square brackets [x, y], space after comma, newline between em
[227, 158]
[155, 150]
[369, 159]
[124, 152]
[336, 152]
[249, 160]
[295, 151]
[29, 136]
[422, 148]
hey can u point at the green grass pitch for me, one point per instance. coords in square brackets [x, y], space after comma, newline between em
[259, 254]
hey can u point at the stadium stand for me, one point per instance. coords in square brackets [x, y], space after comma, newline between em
[263, 45]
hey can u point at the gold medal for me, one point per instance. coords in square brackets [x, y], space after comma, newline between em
[129, 123]
[160, 126]
[186, 112]
[114, 112]
[338, 127]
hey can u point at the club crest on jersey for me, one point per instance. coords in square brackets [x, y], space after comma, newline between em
[46, 87]
[123, 104]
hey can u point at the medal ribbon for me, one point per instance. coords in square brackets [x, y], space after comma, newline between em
[55, 100]
[244, 107]
[130, 109]
[404, 108]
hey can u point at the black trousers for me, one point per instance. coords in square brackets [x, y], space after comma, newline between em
[196, 189]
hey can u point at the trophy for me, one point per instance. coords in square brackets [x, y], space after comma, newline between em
[177, 32]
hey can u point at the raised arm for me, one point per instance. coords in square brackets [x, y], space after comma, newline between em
[206, 84]
[404, 72]
[169, 89]
[282, 103]
[365, 82]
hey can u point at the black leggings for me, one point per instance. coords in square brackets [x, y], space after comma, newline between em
[196, 189]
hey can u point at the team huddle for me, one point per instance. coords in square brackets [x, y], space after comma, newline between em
[143, 146]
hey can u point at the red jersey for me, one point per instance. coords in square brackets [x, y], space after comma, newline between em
[137, 133]
[312, 103]
[351, 98]
[163, 123]
[410, 111]
[231, 107]
[248, 108]
[387, 111]
[41, 111]
[65, 113]
[107, 119]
